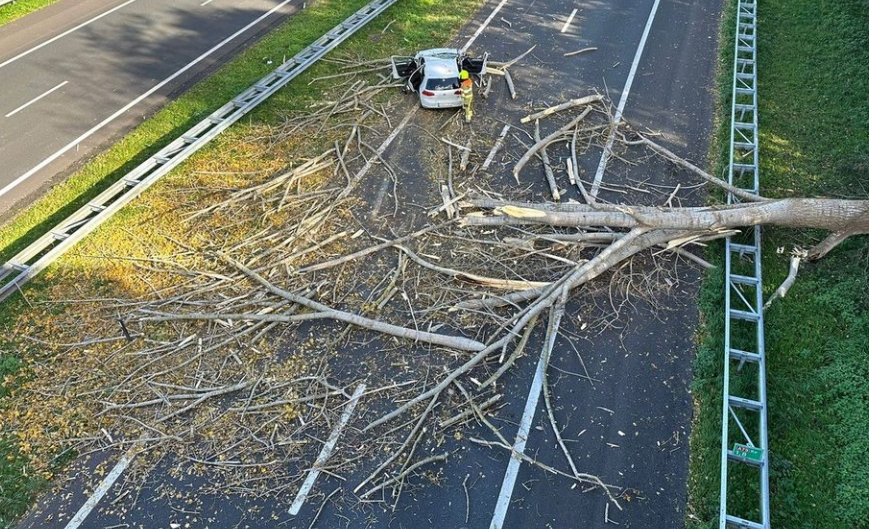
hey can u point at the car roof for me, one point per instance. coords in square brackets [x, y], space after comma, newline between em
[441, 68]
[440, 62]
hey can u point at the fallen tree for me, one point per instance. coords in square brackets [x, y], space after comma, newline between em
[843, 218]
[201, 355]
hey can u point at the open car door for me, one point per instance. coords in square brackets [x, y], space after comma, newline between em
[474, 65]
[403, 67]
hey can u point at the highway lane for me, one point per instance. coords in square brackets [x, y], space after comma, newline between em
[632, 424]
[79, 74]
[631, 427]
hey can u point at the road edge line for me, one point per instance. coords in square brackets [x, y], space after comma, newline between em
[326, 451]
[101, 490]
[483, 26]
[604, 157]
[512, 472]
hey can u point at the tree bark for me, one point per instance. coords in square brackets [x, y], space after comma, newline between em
[849, 217]
[546, 141]
[323, 311]
[563, 106]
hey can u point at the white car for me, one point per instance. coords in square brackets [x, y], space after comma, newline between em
[434, 75]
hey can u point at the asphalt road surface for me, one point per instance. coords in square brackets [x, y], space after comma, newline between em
[630, 423]
[80, 73]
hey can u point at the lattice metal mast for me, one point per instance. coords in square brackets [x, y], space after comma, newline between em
[745, 402]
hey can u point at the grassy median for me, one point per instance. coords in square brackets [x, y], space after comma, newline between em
[413, 24]
[814, 113]
[19, 8]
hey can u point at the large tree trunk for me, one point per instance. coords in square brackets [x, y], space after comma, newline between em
[841, 217]
[829, 214]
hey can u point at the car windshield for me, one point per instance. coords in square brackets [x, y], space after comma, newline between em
[451, 83]
[442, 55]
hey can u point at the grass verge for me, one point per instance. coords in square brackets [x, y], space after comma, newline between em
[173, 120]
[414, 24]
[814, 112]
[19, 8]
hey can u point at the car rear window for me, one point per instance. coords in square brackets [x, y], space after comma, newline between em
[451, 83]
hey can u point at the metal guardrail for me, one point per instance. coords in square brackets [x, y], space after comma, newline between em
[745, 402]
[4, 2]
[45, 250]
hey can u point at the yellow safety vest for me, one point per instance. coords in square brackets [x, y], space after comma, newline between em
[467, 90]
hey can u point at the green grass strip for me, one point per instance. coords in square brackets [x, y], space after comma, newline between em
[813, 64]
[19, 8]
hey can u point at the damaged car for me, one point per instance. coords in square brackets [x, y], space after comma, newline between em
[434, 75]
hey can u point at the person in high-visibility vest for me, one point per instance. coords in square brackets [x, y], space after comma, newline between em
[467, 94]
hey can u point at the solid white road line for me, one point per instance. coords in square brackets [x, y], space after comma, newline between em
[206, 2]
[604, 157]
[484, 26]
[326, 451]
[385, 145]
[512, 472]
[65, 33]
[509, 482]
[74, 143]
[569, 20]
[35, 99]
[102, 489]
